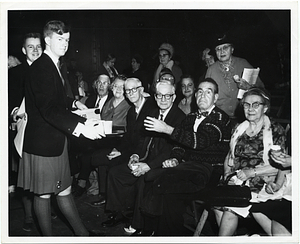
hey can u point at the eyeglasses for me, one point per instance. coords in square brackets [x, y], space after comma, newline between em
[166, 96]
[224, 48]
[163, 55]
[166, 78]
[133, 90]
[254, 105]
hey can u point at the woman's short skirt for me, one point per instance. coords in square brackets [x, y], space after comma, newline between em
[44, 175]
[278, 210]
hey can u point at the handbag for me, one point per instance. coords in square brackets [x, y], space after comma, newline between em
[229, 195]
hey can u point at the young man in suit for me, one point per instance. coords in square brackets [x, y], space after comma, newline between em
[44, 168]
[198, 161]
[32, 49]
[125, 182]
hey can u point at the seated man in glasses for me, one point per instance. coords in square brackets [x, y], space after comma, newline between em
[203, 139]
[135, 132]
[125, 182]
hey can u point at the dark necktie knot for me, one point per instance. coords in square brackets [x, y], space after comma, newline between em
[200, 114]
[161, 117]
[98, 102]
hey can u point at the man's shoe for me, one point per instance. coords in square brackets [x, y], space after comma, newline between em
[129, 230]
[113, 221]
[98, 203]
[27, 226]
[143, 233]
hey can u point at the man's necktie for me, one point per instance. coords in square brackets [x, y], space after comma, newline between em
[59, 71]
[161, 117]
[97, 104]
[199, 114]
[58, 65]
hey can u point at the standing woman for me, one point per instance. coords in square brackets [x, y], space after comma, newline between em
[108, 66]
[223, 72]
[166, 52]
[188, 103]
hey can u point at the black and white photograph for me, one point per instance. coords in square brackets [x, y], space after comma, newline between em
[158, 122]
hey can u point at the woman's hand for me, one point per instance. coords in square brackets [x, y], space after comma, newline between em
[170, 163]
[284, 159]
[243, 84]
[245, 174]
[272, 187]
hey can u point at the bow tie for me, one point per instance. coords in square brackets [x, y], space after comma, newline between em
[199, 114]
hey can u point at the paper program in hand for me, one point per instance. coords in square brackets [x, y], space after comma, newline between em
[250, 75]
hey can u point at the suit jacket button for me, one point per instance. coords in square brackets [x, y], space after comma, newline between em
[58, 184]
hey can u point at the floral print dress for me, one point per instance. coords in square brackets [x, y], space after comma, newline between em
[249, 153]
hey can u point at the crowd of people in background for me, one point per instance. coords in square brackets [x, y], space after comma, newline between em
[175, 135]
